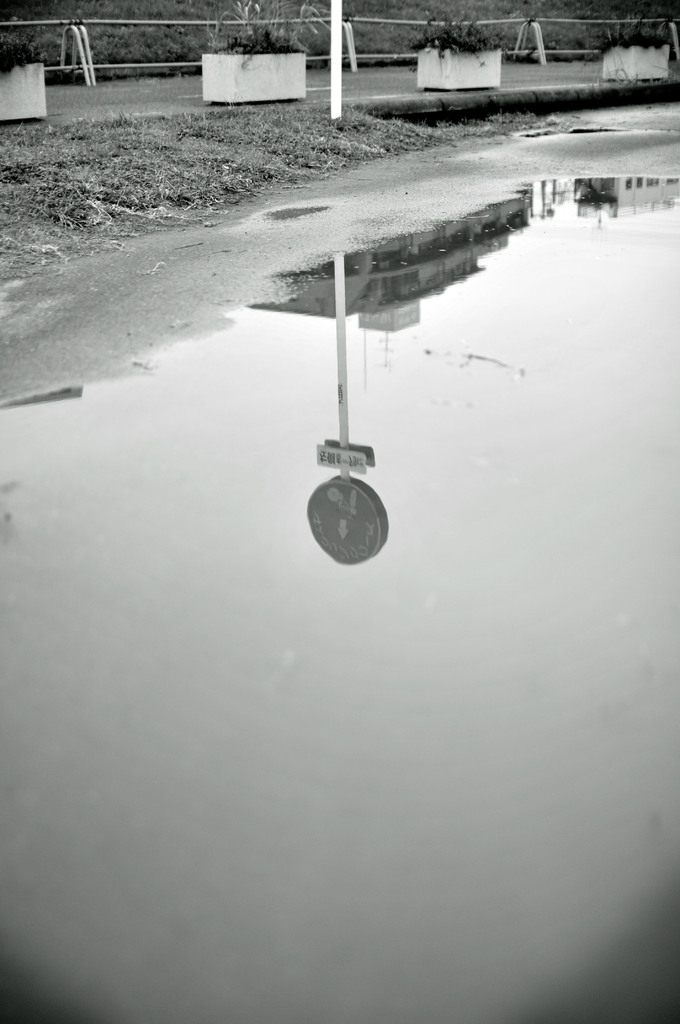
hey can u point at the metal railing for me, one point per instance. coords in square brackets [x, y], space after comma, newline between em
[525, 25]
[77, 29]
[80, 46]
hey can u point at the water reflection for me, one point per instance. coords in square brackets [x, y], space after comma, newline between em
[347, 518]
[240, 783]
[621, 196]
[385, 287]
[385, 284]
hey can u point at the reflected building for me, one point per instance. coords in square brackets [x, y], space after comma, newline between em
[384, 285]
[621, 196]
[548, 194]
[396, 318]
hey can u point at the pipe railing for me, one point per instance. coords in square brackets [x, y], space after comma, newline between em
[208, 22]
[80, 46]
[525, 26]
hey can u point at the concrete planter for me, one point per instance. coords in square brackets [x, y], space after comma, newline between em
[459, 70]
[635, 63]
[22, 93]
[253, 78]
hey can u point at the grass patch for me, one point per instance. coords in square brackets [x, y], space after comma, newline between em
[77, 188]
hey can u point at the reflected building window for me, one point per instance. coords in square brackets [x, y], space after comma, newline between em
[622, 196]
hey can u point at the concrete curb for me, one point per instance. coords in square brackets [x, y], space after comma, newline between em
[459, 106]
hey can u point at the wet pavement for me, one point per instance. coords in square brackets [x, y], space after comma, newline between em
[245, 781]
[530, 86]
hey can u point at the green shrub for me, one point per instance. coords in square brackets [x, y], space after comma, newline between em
[17, 52]
[633, 32]
[457, 36]
[270, 26]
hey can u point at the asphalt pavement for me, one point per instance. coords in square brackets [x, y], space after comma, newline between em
[384, 91]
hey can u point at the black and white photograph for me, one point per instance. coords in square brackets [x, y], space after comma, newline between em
[339, 512]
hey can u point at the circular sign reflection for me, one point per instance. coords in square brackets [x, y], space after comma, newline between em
[348, 520]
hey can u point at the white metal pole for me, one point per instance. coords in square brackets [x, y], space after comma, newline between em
[336, 59]
[341, 335]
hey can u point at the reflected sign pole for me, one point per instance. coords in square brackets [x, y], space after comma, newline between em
[341, 335]
[341, 454]
[336, 59]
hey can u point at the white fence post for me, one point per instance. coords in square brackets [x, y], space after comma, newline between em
[538, 36]
[80, 42]
[88, 52]
[336, 59]
[351, 49]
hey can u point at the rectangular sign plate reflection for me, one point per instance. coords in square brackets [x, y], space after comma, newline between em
[335, 458]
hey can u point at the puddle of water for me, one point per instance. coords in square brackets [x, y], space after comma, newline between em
[247, 779]
[48, 396]
[293, 212]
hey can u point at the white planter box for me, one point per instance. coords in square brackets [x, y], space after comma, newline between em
[256, 78]
[635, 63]
[22, 93]
[459, 70]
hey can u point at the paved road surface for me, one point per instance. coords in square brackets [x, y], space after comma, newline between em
[169, 95]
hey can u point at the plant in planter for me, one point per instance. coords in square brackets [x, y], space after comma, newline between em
[458, 55]
[257, 52]
[633, 51]
[22, 79]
